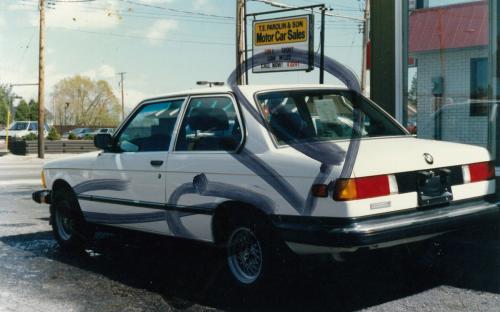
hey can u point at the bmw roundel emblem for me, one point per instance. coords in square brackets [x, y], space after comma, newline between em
[428, 158]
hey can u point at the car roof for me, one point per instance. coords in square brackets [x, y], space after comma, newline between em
[246, 89]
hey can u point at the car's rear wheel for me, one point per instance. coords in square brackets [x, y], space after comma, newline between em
[253, 252]
[68, 225]
[244, 255]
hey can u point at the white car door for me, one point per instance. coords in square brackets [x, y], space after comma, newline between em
[127, 187]
[202, 168]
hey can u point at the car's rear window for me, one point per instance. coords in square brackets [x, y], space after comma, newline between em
[322, 115]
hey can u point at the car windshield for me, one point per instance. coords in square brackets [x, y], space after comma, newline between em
[322, 115]
[19, 126]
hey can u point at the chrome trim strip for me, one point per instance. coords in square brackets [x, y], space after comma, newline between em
[416, 218]
[150, 205]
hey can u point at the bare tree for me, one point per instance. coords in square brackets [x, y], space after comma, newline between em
[91, 103]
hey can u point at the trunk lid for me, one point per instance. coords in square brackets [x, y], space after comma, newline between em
[392, 155]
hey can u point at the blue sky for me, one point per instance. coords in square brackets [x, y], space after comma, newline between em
[161, 50]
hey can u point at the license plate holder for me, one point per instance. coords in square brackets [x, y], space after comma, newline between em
[434, 187]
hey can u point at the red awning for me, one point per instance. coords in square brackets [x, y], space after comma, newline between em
[449, 27]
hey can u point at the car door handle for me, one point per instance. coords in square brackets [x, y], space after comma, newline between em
[156, 163]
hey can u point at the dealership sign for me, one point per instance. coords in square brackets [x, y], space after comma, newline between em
[278, 38]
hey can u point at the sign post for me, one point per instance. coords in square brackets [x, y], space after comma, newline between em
[278, 38]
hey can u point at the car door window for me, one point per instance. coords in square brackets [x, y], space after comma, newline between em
[150, 129]
[33, 126]
[210, 124]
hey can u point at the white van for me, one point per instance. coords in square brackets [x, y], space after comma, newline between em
[19, 129]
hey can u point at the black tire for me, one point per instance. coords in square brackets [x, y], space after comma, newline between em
[68, 225]
[252, 253]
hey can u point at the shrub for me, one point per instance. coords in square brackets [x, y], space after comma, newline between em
[30, 137]
[72, 136]
[53, 134]
[88, 137]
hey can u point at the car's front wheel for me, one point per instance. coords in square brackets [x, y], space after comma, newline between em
[68, 225]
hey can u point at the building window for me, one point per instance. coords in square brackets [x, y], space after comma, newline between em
[478, 86]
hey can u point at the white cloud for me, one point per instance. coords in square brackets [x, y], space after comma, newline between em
[2, 23]
[203, 5]
[158, 31]
[102, 72]
[132, 98]
[199, 3]
[29, 75]
[22, 6]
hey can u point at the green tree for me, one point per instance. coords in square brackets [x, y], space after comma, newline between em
[22, 111]
[53, 134]
[90, 102]
[33, 105]
[3, 113]
[412, 93]
[5, 98]
[33, 109]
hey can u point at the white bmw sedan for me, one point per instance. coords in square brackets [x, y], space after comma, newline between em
[313, 169]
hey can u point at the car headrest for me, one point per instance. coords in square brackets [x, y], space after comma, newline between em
[204, 118]
[165, 126]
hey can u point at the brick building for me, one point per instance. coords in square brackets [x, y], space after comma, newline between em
[449, 47]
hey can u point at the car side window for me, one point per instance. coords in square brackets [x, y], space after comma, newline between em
[151, 128]
[33, 126]
[210, 124]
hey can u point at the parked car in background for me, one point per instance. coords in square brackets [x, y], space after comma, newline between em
[103, 131]
[19, 129]
[3, 147]
[79, 133]
[265, 175]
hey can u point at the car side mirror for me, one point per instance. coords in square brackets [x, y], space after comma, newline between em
[103, 141]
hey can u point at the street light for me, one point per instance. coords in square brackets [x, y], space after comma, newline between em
[210, 83]
[65, 116]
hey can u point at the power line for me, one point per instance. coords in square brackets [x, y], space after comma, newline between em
[72, 1]
[177, 10]
[287, 6]
[146, 38]
[186, 13]
[150, 15]
[349, 9]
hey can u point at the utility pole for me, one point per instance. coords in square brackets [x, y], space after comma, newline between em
[366, 38]
[322, 56]
[240, 40]
[123, 101]
[41, 83]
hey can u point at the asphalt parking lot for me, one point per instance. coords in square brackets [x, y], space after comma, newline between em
[143, 273]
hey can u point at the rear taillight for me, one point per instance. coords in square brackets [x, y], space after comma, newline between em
[365, 187]
[478, 172]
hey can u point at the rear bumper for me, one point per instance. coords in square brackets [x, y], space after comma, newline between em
[42, 197]
[350, 234]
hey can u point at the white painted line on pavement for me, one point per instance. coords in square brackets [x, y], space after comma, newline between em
[21, 182]
[19, 166]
